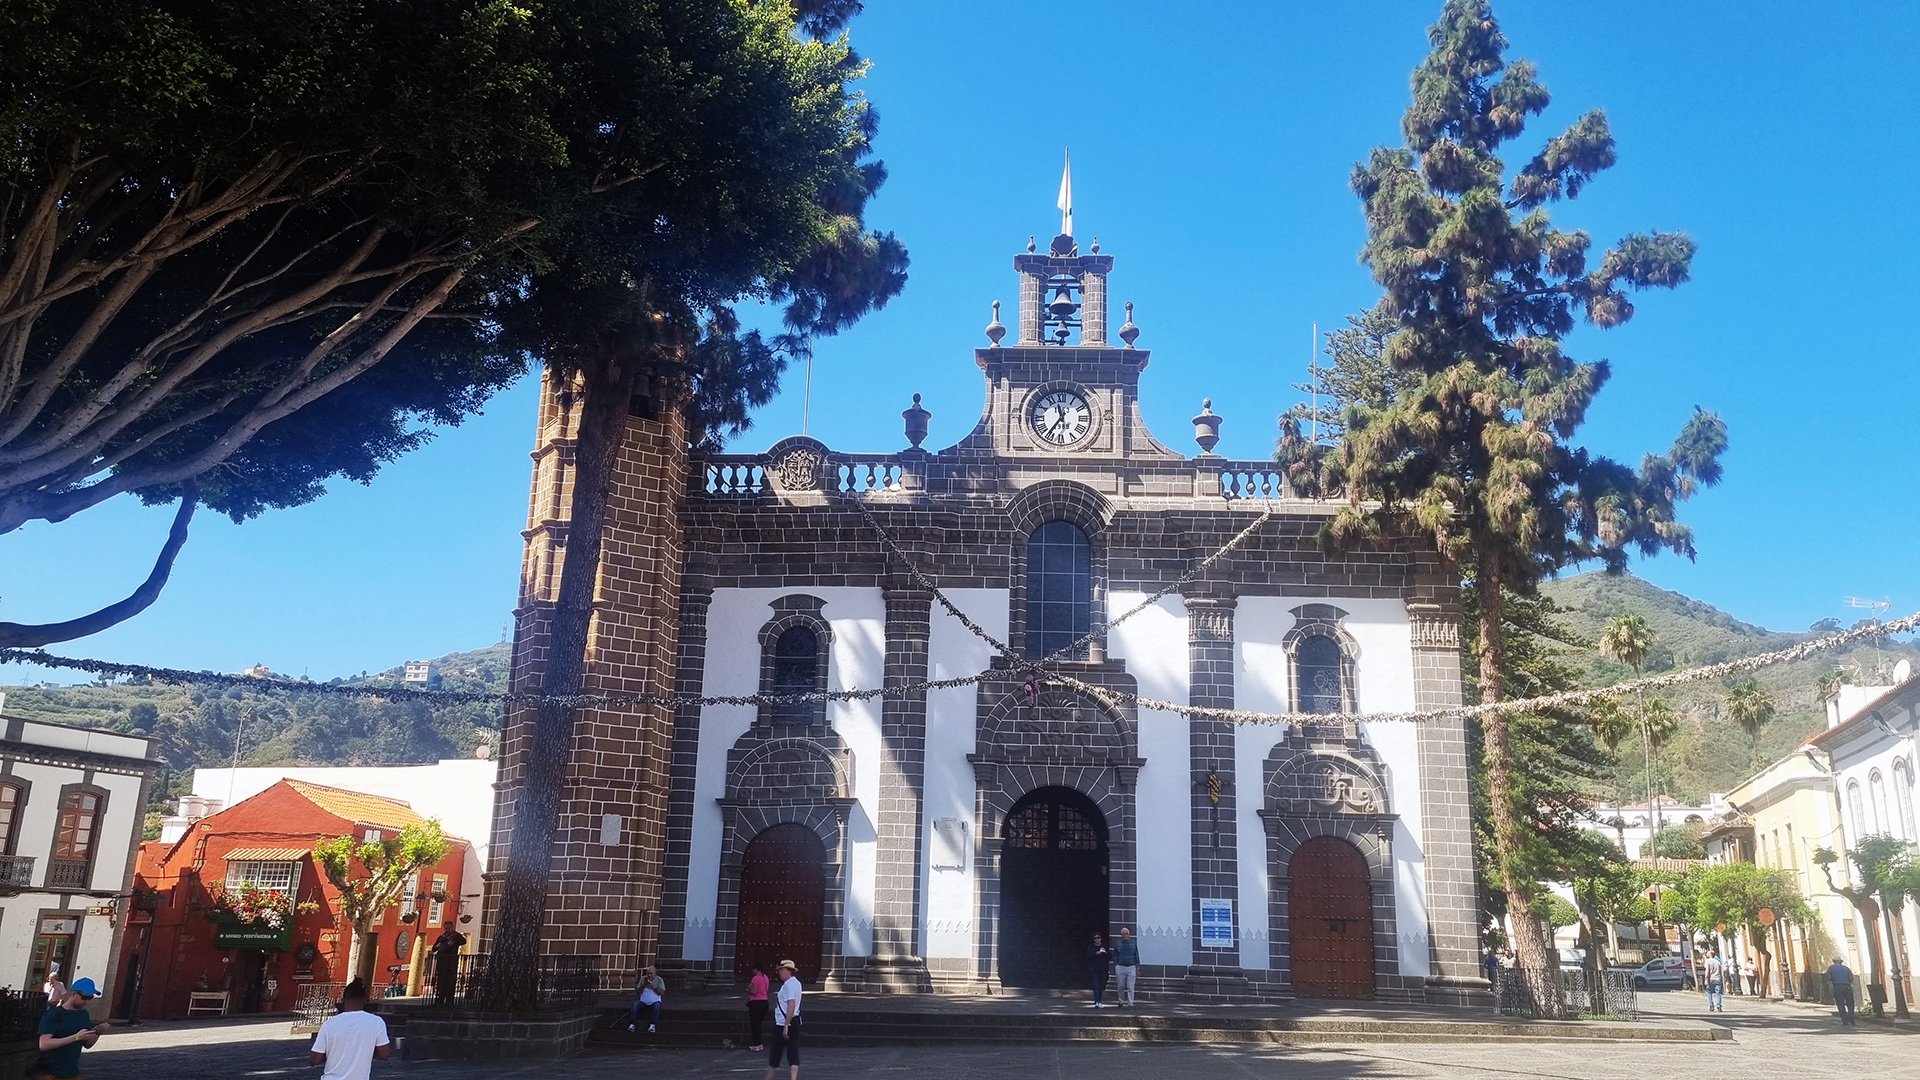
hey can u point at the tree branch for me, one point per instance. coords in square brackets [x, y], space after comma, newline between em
[26, 636]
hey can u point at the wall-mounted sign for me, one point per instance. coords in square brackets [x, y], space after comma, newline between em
[1216, 924]
[250, 936]
[56, 924]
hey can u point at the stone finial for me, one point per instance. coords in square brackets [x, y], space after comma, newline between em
[995, 331]
[1096, 245]
[1031, 246]
[916, 417]
[1129, 332]
[1206, 427]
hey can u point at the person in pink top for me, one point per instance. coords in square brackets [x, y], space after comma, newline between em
[757, 1005]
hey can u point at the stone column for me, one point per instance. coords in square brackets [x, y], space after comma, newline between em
[1093, 308]
[1031, 297]
[689, 679]
[1446, 818]
[1216, 867]
[898, 964]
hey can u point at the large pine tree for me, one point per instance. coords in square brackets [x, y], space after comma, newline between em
[1484, 289]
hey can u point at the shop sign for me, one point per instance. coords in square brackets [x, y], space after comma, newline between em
[254, 935]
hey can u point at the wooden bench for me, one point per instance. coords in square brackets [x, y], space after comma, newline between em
[207, 1001]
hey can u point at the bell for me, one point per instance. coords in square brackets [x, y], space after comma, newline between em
[1062, 305]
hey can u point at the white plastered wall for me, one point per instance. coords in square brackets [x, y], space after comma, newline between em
[1154, 646]
[1384, 681]
[952, 652]
[857, 660]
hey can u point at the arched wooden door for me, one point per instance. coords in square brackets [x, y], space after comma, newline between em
[783, 901]
[1330, 920]
[1053, 889]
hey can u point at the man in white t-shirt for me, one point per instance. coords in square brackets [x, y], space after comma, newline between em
[351, 1040]
[786, 1024]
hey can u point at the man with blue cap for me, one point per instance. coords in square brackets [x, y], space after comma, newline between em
[65, 1030]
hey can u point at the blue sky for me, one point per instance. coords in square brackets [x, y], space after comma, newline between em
[1211, 147]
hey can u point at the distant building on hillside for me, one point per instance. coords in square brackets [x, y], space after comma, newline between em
[418, 672]
[1632, 824]
[458, 793]
[70, 809]
[190, 951]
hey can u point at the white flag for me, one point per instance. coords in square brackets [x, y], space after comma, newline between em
[1065, 201]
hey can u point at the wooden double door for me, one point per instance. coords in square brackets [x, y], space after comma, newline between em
[1330, 920]
[783, 902]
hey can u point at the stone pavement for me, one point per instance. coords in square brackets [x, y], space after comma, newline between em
[1768, 1039]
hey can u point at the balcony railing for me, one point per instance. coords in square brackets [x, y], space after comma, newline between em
[16, 871]
[1253, 480]
[67, 874]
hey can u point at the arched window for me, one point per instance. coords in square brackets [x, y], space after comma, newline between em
[1903, 794]
[1859, 807]
[1059, 590]
[796, 670]
[1877, 788]
[1316, 669]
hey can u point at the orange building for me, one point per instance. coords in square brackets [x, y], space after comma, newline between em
[188, 955]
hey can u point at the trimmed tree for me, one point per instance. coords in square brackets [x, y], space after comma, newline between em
[767, 201]
[385, 867]
[1481, 457]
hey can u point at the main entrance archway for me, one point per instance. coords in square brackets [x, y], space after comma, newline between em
[1053, 888]
[1330, 920]
[783, 901]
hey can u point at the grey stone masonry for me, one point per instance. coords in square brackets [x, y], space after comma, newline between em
[1446, 818]
[1214, 972]
[897, 964]
[689, 679]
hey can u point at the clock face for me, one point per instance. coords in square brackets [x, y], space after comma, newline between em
[1061, 417]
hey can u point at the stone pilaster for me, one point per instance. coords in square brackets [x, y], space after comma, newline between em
[1445, 813]
[898, 963]
[1093, 309]
[1216, 868]
[1030, 299]
[689, 680]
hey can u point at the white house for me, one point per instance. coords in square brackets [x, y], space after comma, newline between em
[71, 804]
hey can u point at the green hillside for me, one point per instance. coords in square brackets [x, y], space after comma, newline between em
[1711, 753]
[204, 726]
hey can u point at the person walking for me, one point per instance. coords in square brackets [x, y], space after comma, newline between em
[786, 1024]
[653, 991]
[1126, 967]
[757, 1005]
[351, 1040]
[65, 1030]
[1840, 977]
[55, 990]
[1752, 971]
[1715, 971]
[1490, 963]
[446, 963]
[1098, 955]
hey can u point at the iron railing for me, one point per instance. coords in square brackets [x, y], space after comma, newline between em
[318, 1001]
[67, 873]
[572, 979]
[1608, 995]
[16, 871]
[20, 1012]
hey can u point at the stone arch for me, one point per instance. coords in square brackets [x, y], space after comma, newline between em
[1060, 725]
[1083, 508]
[789, 770]
[796, 609]
[1329, 780]
[1322, 620]
[741, 821]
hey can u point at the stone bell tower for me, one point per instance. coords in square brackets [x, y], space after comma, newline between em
[603, 891]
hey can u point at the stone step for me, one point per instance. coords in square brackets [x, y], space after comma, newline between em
[717, 1027]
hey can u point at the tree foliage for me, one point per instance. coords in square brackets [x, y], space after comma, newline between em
[1680, 840]
[1483, 288]
[385, 867]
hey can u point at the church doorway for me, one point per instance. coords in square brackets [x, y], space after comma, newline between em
[1330, 920]
[1053, 889]
[783, 901]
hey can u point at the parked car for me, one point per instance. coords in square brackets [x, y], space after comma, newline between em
[1662, 973]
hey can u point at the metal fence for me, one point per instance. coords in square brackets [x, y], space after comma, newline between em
[572, 979]
[318, 1001]
[20, 1012]
[1608, 995]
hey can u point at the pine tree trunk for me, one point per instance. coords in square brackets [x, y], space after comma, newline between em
[606, 386]
[1534, 960]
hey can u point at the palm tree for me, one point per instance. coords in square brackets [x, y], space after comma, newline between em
[1627, 639]
[1751, 706]
[1611, 722]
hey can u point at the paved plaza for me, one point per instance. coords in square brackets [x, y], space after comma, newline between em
[1767, 1038]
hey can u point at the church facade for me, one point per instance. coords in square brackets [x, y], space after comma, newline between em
[972, 837]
